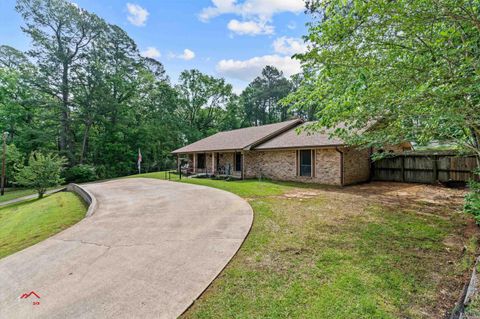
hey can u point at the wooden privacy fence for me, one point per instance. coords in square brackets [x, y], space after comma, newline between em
[424, 168]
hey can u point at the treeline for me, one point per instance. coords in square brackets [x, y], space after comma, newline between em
[83, 91]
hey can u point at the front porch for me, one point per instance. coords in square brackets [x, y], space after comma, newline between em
[212, 164]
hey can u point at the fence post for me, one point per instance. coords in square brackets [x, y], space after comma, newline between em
[435, 170]
[403, 168]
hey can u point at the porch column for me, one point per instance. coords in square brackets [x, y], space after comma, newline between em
[194, 162]
[178, 164]
[243, 165]
[213, 162]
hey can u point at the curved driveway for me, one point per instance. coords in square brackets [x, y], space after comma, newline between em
[148, 251]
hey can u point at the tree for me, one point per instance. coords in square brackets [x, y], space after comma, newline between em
[261, 97]
[61, 33]
[410, 66]
[233, 117]
[24, 111]
[14, 157]
[202, 98]
[43, 171]
[302, 85]
[13, 59]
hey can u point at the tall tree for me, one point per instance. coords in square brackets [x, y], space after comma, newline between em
[202, 99]
[61, 33]
[24, 111]
[410, 66]
[261, 97]
[302, 84]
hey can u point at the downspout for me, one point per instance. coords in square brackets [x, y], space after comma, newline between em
[341, 166]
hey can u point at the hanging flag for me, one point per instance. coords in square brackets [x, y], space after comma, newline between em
[139, 162]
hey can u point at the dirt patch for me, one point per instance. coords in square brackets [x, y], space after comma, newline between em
[437, 195]
[427, 199]
[301, 193]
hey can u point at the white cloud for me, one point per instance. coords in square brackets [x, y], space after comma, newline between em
[292, 25]
[289, 46]
[137, 15]
[250, 27]
[260, 8]
[187, 55]
[247, 70]
[151, 52]
[256, 14]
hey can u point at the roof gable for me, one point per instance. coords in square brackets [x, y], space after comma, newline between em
[292, 139]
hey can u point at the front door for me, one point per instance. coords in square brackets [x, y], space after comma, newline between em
[201, 161]
[238, 162]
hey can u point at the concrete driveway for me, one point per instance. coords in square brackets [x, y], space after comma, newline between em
[148, 251]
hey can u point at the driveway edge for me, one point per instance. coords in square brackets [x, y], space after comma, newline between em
[233, 256]
[86, 196]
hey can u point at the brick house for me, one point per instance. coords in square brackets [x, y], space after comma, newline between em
[278, 152]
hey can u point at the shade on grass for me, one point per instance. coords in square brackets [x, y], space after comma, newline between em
[17, 193]
[339, 254]
[27, 223]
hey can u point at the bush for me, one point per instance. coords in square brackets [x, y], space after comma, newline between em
[472, 200]
[13, 157]
[81, 173]
[43, 171]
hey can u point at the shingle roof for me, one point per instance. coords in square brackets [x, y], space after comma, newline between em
[238, 139]
[291, 139]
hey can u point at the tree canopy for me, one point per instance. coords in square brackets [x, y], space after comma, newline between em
[409, 67]
[83, 91]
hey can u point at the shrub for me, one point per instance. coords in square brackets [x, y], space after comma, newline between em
[13, 157]
[42, 171]
[472, 200]
[81, 173]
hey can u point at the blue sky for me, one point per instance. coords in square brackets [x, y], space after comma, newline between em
[228, 38]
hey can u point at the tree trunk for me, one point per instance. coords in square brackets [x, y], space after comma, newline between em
[476, 144]
[65, 142]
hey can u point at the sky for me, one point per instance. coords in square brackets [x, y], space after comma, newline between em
[233, 39]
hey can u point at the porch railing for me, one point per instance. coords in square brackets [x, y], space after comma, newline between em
[224, 171]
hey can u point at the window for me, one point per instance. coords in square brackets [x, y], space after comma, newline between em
[305, 163]
[238, 162]
[201, 161]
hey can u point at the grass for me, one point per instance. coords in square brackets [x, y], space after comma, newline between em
[326, 252]
[16, 193]
[27, 223]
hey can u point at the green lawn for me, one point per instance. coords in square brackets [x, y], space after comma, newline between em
[16, 193]
[356, 252]
[27, 223]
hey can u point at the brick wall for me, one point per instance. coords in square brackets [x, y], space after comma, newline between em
[281, 165]
[356, 168]
[328, 166]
